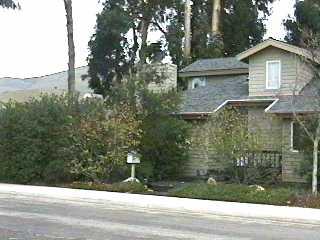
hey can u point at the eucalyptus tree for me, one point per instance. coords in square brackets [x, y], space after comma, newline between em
[71, 48]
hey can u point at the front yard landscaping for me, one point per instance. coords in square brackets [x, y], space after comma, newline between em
[272, 195]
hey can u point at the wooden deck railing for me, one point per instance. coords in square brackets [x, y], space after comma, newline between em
[271, 159]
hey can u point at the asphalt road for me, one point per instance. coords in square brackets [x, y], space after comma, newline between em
[30, 218]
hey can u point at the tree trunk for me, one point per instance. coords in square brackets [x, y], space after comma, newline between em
[315, 167]
[71, 51]
[187, 31]
[144, 37]
[216, 16]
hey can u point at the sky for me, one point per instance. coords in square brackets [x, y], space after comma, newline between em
[33, 40]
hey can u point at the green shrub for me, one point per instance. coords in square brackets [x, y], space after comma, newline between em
[33, 137]
[61, 138]
[164, 146]
[124, 187]
[235, 193]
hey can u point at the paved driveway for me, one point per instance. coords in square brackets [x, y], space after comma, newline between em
[31, 218]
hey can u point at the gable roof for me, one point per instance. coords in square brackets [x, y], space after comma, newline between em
[277, 44]
[215, 66]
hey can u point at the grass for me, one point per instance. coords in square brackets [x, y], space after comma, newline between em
[236, 193]
[273, 195]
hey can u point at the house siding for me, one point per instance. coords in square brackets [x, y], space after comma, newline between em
[291, 161]
[304, 74]
[257, 72]
[267, 127]
[198, 163]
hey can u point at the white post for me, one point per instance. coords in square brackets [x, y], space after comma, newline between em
[133, 171]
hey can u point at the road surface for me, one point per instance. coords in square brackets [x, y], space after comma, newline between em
[30, 218]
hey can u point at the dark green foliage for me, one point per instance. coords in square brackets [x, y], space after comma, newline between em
[307, 19]
[242, 27]
[44, 140]
[164, 143]
[115, 45]
[110, 56]
[33, 136]
[235, 193]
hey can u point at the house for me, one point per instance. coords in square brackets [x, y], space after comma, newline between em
[264, 79]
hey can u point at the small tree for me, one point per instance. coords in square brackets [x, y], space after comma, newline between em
[310, 122]
[226, 140]
[101, 144]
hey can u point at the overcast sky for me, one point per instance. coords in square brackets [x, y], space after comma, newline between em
[34, 42]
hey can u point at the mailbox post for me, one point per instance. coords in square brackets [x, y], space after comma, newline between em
[133, 159]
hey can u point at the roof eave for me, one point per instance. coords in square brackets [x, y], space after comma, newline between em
[277, 44]
[215, 72]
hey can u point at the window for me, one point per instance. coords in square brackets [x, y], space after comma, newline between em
[198, 82]
[273, 74]
[296, 136]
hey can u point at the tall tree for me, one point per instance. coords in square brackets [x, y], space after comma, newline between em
[121, 38]
[187, 30]
[216, 12]
[123, 27]
[9, 4]
[71, 50]
[306, 19]
[241, 26]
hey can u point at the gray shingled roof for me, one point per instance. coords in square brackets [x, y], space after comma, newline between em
[299, 104]
[305, 102]
[215, 64]
[208, 98]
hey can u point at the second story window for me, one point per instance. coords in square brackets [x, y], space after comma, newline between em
[198, 82]
[273, 74]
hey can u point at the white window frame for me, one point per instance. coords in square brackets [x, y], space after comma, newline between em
[267, 74]
[204, 79]
[291, 137]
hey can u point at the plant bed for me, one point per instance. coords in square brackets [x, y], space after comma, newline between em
[307, 201]
[123, 187]
[236, 193]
